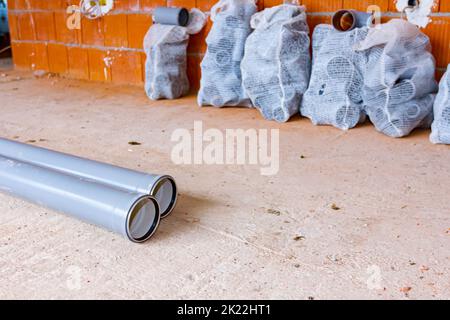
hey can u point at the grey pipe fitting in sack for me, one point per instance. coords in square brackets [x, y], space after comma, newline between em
[276, 64]
[165, 46]
[441, 124]
[221, 79]
[399, 77]
[334, 95]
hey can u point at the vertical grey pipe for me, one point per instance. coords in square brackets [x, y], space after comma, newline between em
[346, 20]
[133, 215]
[171, 16]
[162, 187]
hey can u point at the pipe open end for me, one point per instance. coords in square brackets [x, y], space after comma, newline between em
[143, 219]
[165, 192]
[183, 18]
[344, 20]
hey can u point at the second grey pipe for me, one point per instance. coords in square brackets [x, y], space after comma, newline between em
[162, 187]
[133, 215]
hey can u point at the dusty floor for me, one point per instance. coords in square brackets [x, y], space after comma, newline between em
[235, 233]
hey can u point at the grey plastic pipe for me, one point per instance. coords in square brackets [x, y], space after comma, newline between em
[346, 20]
[132, 215]
[171, 16]
[162, 187]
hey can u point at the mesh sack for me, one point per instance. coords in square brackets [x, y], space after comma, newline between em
[221, 81]
[276, 65]
[441, 124]
[166, 64]
[334, 93]
[399, 82]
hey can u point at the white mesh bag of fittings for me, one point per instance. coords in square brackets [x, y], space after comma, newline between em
[221, 81]
[399, 81]
[276, 64]
[165, 67]
[441, 124]
[334, 93]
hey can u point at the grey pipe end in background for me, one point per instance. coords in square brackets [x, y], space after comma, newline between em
[347, 20]
[171, 16]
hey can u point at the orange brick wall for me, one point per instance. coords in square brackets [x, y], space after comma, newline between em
[110, 48]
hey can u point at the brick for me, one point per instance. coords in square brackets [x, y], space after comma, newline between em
[25, 26]
[99, 65]
[437, 5]
[323, 5]
[92, 32]
[150, 4]
[22, 5]
[12, 21]
[182, 3]
[39, 57]
[138, 25]
[71, 2]
[439, 32]
[133, 5]
[45, 26]
[37, 4]
[272, 3]
[126, 67]
[78, 63]
[57, 58]
[362, 5]
[22, 53]
[121, 5]
[57, 4]
[391, 6]
[205, 5]
[445, 6]
[62, 32]
[11, 4]
[260, 5]
[197, 43]
[45, 4]
[143, 61]
[194, 71]
[116, 30]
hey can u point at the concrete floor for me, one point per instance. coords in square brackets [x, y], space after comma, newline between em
[235, 233]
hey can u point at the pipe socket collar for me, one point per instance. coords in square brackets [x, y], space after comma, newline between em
[347, 20]
[166, 193]
[143, 219]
